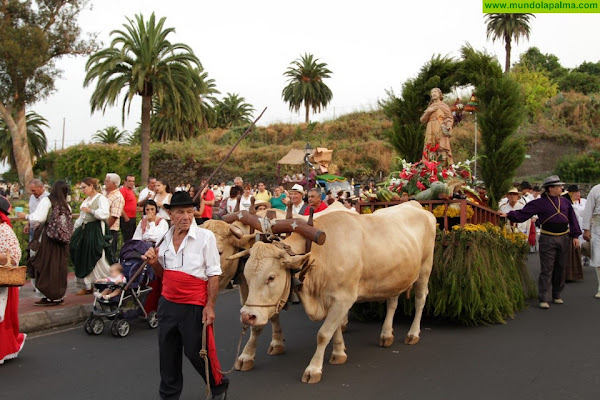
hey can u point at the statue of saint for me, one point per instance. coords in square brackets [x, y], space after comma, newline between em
[439, 120]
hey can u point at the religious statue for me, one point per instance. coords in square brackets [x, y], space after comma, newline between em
[439, 120]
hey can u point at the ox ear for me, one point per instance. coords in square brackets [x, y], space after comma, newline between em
[239, 255]
[295, 262]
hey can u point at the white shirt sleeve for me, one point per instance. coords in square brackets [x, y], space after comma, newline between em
[590, 205]
[143, 194]
[41, 212]
[155, 232]
[103, 210]
[138, 231]
[211, 256]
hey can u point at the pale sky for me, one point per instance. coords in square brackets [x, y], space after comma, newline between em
[247, 45]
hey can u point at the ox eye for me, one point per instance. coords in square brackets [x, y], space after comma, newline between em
[270, 278]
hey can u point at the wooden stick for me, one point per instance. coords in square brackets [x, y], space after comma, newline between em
[246, 132]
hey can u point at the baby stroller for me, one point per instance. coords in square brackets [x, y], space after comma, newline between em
[129, 304]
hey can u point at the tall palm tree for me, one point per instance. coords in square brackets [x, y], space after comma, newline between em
[305, 85]
[233, 111]
[36, 139]
[141, 61]
[111, 135]
[508, 27]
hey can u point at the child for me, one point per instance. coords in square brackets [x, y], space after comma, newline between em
[116, 277]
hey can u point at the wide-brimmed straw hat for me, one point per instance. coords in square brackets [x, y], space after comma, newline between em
[513, 190]
[259, 203]
[553, 180]
[297, 188]
[180, 199]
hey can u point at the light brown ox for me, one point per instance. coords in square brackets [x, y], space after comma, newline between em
[228, 245]
[385, 254]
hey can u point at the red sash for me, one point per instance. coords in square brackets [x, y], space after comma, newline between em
[179, 287]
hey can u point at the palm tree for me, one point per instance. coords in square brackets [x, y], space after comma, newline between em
[507, 27]
[233, 111]
[305, 85]
[36, 139]
[111, 135]
[141, 61]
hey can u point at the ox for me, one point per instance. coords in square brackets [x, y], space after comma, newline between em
[385, 254]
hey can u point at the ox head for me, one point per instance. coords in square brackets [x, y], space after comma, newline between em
[268, 275]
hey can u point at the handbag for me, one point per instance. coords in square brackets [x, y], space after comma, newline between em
[59, 226]
[12, 276]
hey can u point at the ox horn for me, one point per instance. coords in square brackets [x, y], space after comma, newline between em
[239, 255]
[236, 231]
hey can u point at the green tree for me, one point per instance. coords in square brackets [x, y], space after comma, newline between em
[111, 135]
[581, 82]
[407, 135]
[305, 85]
[142, 61]
[508, 27]
[536, 87]
[36, 139]
[34, 34]
[534, 60]
[233, 111]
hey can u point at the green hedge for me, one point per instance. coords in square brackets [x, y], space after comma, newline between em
[582, 168]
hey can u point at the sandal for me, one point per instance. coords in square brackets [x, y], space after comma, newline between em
[43, 302]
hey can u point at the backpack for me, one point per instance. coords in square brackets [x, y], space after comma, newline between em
[60, 225]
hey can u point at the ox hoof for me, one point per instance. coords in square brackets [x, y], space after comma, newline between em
[386, 341]
[275, 350]
[244, 365]
[337, 359]
[411, 339]
[311, 376]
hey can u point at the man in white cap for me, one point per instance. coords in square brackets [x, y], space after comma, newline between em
[296, 197]
[559, 229]
[591, 229]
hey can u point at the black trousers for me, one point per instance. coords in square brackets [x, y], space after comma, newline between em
[554, 256]
[115, 243]
[128, 228]
[180, 331]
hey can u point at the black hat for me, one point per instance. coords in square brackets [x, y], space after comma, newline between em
[180, 199]
[5, 205]
[525, 185]
[573, 188]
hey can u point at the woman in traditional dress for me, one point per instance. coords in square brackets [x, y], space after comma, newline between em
[162, 196]
[152, 227]
[90, 247]
[49, 258]
[11, 341]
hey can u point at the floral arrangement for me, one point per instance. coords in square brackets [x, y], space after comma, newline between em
[453, 211]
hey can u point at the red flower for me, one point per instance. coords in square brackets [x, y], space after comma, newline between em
[421, 186]
[464, 173]
[445, 173]
[433, 178]
[403, 175]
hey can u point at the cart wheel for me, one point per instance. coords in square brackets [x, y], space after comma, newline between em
[153, 319]
[113, 327]
[121, 328]
[97, 326]
[87, 326]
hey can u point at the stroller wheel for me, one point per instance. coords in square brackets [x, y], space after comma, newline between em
[87, 326]
[153, 319]
[97, 326]
[119, 328]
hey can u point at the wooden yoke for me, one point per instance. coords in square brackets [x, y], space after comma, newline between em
[237, 205]
[309, 223]
[252, 210]
[279, 226]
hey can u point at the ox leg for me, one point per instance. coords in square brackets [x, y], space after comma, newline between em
[245, 362]
[421, 292]
[338, 355]
[345, 323]
[277, 345]
[333, 322]
[387, 332]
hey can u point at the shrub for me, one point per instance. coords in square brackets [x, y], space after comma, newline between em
[584, 168]
[536, 88]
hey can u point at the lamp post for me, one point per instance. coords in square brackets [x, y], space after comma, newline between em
[307, 152]
[472, 107]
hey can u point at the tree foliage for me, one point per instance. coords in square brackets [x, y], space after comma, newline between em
[111, 135]
[534, 60]
[233, 111]
[581, 82]
[305, 85]
[34, 34]
[582, 168]
[507, 27]
[142, 61]
[36, 138]
[536, 87]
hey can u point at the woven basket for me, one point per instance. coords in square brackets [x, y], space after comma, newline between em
[12, 276]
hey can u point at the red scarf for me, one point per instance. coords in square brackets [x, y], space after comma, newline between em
[4, 218]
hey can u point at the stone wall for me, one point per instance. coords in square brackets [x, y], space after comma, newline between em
[544, 155]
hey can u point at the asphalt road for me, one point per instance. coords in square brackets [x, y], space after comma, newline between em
[541, 354]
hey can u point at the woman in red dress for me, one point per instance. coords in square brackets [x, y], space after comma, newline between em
[11, 341]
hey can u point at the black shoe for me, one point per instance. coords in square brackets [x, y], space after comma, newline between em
[220, 396]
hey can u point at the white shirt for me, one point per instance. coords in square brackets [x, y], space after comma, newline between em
[197, 255]
[162, 212]
[41, 212]
[34, 203]
[144, 194]
[231, 203]
[592, 208]
[296, 209]
[245, 203]
[101, 213]
[506, 208]
[154, 232]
